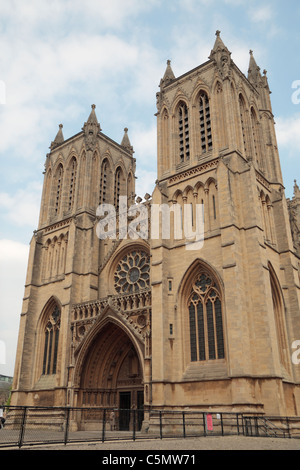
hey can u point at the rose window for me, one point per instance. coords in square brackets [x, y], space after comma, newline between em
[132, 273]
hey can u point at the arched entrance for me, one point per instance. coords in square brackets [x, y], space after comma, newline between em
[112, 376]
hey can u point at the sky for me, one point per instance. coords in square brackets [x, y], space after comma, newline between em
[58, 57]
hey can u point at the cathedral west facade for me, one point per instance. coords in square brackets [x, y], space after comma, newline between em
[148, 322]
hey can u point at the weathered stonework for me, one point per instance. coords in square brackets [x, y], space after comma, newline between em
[211, 328]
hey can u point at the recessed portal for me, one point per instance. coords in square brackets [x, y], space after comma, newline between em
[112, 376]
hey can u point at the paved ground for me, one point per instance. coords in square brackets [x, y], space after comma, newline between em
[201, 443]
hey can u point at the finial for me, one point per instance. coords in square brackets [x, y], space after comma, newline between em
[59, 139]
[168, 62]
[93, 106]
[251, 52]
[126, 142]
[218, 33]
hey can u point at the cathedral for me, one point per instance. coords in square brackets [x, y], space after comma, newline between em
[146, 319]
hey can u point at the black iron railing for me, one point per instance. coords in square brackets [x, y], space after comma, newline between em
[26, 426]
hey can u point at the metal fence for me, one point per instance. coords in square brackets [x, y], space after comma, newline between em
[27, 426]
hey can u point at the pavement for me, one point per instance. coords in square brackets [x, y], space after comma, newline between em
[177, 445]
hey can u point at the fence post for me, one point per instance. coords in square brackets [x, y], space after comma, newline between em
[103, 424]
[288, 427]
[204, 423]
[22, 428]
[183, 423]
[160, 425]
[237, 424]
[67, 426]
[256, 426]
[133, 437]
[222, 427]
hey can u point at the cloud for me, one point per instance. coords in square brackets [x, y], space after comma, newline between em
[262, 14]
[144, 143]
[48, 69]
[43, 80]
[22, 207]
[288, 134]
[145, 182]
[13, 261]
[30, 15]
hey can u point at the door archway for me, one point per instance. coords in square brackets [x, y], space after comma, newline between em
[112, 375]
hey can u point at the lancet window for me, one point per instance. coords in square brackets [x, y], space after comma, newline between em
[245, 126]
[205, 320]
[59, 182]
[184, 138]
[51, 342]
[73, 175]
[103, 184]
[205, 123]
[118, 177]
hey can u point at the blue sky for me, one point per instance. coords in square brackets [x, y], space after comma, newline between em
[57, 57]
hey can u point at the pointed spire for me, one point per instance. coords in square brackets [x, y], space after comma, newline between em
[92, 122]
[168, 76]
[219, 46]
[92, 117]
[254, 75]
[221, 56]
[91, 129]
[59, 139]
[218, 42]
[126, 142]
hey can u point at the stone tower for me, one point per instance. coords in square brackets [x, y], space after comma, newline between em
[223, 317]
[168, 321]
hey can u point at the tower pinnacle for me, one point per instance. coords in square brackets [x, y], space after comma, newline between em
[59, 139]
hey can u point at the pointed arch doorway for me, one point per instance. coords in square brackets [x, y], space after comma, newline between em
[112, 376]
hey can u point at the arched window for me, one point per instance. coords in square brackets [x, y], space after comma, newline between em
[72, 182]
[118, 186]
[205, 123]
[103, 184]
[165, 149]
[256, 138]
[183, 127]
[205, 319]
[245, 126]
[58, 187]
[51, 342]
